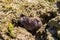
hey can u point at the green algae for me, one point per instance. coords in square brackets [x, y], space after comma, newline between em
[10, 28]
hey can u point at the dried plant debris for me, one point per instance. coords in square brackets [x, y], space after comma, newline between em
[58, 5]
[42, 17]
[51, 2]
[54, 26]
[55, 22]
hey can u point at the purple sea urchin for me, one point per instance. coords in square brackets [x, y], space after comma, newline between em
[30, 23]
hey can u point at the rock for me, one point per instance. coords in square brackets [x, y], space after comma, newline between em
[31, 23]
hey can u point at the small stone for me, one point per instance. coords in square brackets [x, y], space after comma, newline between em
[30, 23]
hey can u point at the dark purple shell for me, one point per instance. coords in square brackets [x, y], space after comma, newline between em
[30, 23]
